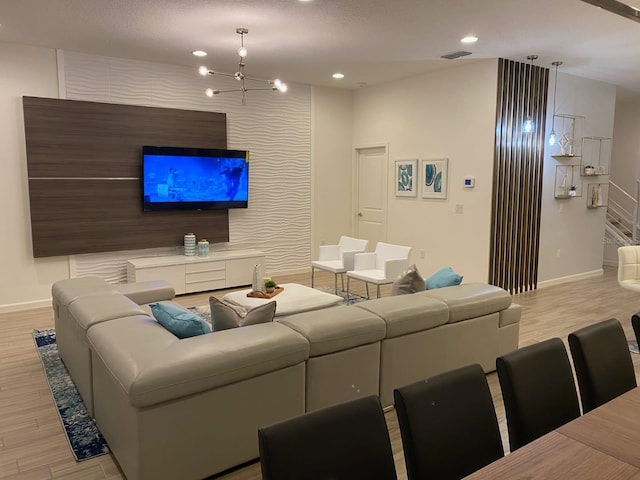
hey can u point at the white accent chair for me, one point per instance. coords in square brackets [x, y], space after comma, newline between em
[629, 267]
[629, 278]
[380, 267]
[338, 259]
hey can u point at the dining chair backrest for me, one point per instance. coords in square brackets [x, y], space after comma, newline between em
[602, 362]
[348, 441]
[538, 390]
[448, 425]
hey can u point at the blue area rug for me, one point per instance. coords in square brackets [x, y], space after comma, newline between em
[83, 435]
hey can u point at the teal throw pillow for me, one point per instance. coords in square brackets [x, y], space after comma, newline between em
[179, 321]
[445, 277]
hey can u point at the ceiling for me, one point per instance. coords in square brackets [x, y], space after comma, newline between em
[370, 41]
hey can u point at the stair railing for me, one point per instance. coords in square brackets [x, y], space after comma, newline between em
[622, 213]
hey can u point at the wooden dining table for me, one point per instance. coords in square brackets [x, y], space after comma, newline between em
[602, 444]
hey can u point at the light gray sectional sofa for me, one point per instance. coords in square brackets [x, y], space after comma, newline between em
[190, 408]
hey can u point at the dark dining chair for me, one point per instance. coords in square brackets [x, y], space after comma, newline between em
[448, 425]
[538, 390]
[602, 362]
[348, 441]
[635, 324]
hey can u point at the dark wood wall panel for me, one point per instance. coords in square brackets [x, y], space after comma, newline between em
[517, 181]
[86, 216]
[68, 138]
[83, 161]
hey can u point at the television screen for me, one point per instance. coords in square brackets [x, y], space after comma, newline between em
[194, 178]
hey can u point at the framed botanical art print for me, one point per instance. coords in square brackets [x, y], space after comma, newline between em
[435, 175]
[406, 178]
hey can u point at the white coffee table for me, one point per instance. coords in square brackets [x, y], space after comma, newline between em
[293, 299]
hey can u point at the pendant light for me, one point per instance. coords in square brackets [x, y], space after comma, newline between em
[528, 126]
[272, 85]
[552, 137]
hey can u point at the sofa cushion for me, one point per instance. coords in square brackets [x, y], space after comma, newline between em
[100, 307]
[178, 320]
[404, 315]
[153, 366]
[470, 300]
[336, 328]
[224, 317]
[409, 282]
[444, 277]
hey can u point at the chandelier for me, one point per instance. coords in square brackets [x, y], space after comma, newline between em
[273, 85]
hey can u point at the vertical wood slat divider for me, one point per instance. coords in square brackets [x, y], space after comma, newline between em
[517, 177]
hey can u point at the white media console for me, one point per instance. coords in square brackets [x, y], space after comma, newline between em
[221, 269]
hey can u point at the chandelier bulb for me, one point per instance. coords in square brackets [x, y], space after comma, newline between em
[527, 126]
[283, 87]
[242, 51]
[277, 82]
[209, 92]
[204, 71]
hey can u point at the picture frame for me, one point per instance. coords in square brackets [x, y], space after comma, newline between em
[434, 178]
[406, 178]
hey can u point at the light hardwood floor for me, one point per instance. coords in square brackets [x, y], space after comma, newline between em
[33, 445]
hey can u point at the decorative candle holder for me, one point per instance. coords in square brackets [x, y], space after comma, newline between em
[203, 248]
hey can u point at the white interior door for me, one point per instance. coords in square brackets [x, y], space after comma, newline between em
[371, 202]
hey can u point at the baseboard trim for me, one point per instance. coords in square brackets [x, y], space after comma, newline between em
[18, 307]
[571, 278]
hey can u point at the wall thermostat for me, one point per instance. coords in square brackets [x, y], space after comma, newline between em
[469, 182]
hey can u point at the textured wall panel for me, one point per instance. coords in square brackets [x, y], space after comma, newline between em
[275, 127]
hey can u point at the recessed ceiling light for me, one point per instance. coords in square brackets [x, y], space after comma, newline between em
[338, 75]
[469, 39]
[199, 53]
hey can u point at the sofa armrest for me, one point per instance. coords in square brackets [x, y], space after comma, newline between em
[348, 259]
[329, 252]
[364, 261]
[147, 292]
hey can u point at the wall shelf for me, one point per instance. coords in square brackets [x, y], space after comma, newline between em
[597, 195]
[596, 156]
[566, 177]
[569, 131]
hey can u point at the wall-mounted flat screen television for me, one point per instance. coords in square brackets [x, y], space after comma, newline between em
[194, 178]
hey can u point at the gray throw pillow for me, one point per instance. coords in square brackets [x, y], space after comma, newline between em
[224, 317]
[409, 282]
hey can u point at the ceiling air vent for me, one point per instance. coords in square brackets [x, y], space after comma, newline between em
[454, 55]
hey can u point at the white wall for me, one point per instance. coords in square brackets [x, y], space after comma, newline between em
[572, 236]
[332, 124]
[625, 158]
[24, 71]
[446, 114]
[626, 144]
